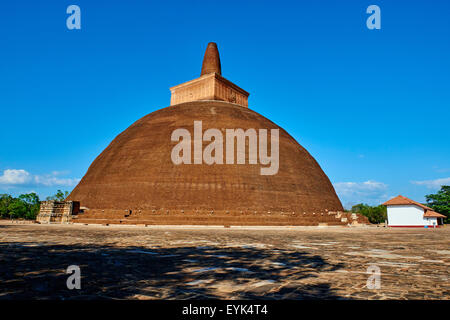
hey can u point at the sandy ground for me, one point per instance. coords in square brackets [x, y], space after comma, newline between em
[126, 262]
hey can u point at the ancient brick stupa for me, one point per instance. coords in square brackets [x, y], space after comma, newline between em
[135, 180]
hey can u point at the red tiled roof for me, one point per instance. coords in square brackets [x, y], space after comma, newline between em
[401, 200]
[433, 214]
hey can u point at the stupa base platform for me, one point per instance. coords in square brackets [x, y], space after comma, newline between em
[219, 218]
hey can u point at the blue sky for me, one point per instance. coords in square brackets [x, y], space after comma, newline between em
[372, 106]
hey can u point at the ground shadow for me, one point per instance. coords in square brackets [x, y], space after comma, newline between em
[37, 271]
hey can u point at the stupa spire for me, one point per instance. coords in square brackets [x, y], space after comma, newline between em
[210, 85]
[211, 60]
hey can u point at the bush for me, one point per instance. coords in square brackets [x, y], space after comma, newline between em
[375, 214]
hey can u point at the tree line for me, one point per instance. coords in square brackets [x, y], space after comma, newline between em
[25, 206]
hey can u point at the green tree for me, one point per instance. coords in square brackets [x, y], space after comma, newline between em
[440, 202]
[59, 196]
[17, 208]
[5, 200]
[25, 206]
[375, 214]
[33, 205]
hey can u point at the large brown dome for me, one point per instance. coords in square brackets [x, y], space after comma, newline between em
[135, 172]
[136, 181]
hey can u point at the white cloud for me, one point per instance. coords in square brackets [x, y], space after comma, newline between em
[433, 184]
[60, 173]
[14, 177]
[370, 192]
[50, 180]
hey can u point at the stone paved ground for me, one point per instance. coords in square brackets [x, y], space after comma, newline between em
[226, 263]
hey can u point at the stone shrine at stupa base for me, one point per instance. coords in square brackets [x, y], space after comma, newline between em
[135, 180]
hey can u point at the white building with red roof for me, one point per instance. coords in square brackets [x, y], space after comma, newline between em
[404, 212]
